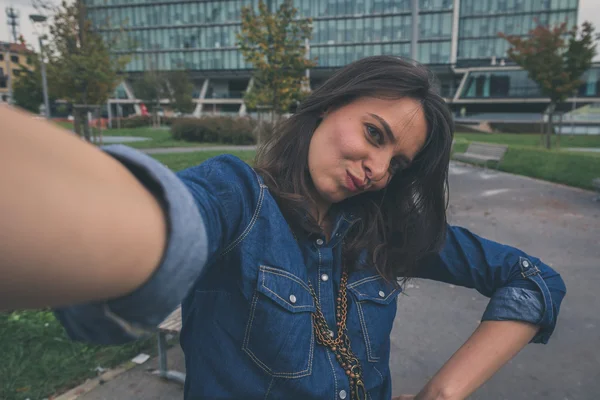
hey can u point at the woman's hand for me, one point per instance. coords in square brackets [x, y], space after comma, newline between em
[404, 397]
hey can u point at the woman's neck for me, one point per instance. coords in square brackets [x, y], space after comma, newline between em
[321, 215]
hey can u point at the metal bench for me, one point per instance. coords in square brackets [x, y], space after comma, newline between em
[483, 153]
[171, 325]
[596, 185]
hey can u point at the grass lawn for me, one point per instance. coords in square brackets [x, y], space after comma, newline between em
[179, 161]
[570, 168]
[532, 139]
[38, 360]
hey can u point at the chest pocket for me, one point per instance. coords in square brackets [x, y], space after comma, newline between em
[279, 336]
[376, 307]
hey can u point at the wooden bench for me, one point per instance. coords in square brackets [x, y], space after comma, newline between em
[483, 153]
[171, 325]
[596, 185]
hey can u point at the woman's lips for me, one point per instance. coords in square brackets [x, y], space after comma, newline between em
[352, 183]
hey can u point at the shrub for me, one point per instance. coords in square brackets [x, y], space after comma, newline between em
[141, 121]
[239, 131]
[136, 121]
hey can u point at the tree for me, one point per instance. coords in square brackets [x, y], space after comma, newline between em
[180, 91]
[81, 68]
[174, 86]
[27, 89]
[274, 44]
[151, 88]
[555, 58]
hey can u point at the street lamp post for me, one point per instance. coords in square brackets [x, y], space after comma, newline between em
[39, 19]
[44, 81]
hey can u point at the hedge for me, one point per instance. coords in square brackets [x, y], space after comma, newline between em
[217, 129]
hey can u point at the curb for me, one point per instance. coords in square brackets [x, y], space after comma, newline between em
[92, 383]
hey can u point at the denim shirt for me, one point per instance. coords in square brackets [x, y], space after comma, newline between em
[242, 278]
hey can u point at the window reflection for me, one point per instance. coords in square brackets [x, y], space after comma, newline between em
[516, 84]
[202, 34]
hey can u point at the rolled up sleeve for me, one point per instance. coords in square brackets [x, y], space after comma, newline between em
[520, 287]
[139, 313]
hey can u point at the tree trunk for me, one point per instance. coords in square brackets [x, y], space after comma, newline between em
[547, 139]
[551, 109]
[86, 127]
[99, 127]
[77, 121]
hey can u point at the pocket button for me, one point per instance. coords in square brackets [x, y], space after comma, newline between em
[381, 294]
[292, 299]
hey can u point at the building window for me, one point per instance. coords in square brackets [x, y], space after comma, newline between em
[1, 57]
[14, 59]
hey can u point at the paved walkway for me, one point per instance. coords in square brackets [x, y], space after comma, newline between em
[561, 225]
[584, 149]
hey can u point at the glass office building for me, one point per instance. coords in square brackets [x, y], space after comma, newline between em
[456, 38]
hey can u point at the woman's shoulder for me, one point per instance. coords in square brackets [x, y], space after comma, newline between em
[225, 176]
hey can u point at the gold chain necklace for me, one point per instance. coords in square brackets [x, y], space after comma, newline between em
[340, 346]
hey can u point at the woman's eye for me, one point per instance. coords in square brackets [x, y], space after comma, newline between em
[375, 134]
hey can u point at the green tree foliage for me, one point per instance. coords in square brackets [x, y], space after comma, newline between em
[555, 58]
[81, 68]
[151, 87]
[174, 86]
[273, 42]
[181, 89]
[27, 90]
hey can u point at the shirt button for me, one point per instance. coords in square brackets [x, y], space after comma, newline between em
[292, 299]
[324, 277]
[342, 394]
[319, 242]
[525, 264]
[381, 294]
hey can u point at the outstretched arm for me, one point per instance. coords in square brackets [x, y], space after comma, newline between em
[76, 224]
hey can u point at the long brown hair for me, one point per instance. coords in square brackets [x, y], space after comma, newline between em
[399, 225]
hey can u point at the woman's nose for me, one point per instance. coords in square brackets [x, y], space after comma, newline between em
[376, 169]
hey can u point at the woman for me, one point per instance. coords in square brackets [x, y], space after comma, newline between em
[287, 273]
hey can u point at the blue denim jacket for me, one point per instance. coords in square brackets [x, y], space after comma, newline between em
[242, 280]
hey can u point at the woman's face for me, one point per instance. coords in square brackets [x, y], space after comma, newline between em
[359, 146]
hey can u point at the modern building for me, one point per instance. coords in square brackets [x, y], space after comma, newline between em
[457, 39]
[12, 57]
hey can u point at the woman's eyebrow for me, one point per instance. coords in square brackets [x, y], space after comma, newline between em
[390, 135]
[386, 127]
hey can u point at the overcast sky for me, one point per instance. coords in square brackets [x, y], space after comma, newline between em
[588, 10]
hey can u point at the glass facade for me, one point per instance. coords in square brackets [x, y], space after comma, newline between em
[201, 35]
[481, 20]
[516, 84]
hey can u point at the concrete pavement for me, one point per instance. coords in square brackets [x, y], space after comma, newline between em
[558, 224]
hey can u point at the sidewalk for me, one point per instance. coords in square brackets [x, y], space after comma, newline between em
[135, 383]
